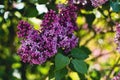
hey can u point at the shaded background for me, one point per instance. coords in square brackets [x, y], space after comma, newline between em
[96, 31]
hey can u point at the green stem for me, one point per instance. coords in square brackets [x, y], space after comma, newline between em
[114, 66]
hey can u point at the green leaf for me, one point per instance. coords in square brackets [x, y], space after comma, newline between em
[51, 71]
[95, 73]
[68, 78]
[78, 53]
[90, 18]
[115, 6]
[60, 74]
[80, 66]
[82, 76]
[43, 1]
[89, 7]
[52, 5]
[31, 11]
[33, 1]
[85, 49]
[72, 67]
[106, 6]
[61, 61]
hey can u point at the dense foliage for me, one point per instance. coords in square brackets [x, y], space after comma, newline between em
[59, 39]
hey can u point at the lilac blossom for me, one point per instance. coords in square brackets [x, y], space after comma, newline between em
[83, 2]
[48, 18]
[94, 3]
[37, 47]
[66, 19]
[63, 26]
[97, 3]
[29, 52]
[117, 77]
[56, 32]
[23, 29]
[117, 37]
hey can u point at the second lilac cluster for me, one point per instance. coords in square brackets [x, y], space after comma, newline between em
[97, 3]
[94, 3]
[117, 77]
[57, 32]
[117, 37]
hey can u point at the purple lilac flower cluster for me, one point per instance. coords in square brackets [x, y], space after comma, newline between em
[30, 48]
[117, 77]
[56, 32]
[117, 37]
[97, 3]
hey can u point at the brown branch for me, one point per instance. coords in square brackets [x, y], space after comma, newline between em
[99, 56]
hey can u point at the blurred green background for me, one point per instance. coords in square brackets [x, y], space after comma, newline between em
[96, 31]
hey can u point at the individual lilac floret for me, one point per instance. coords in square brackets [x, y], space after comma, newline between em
[117, 77]
[97, 3]
[23, 29]
[117, 37]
